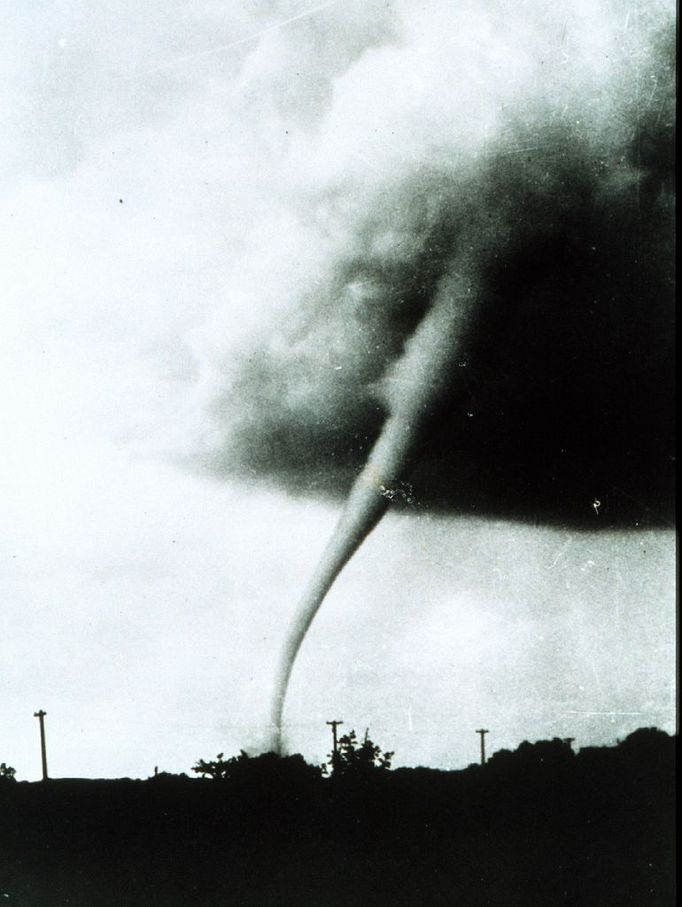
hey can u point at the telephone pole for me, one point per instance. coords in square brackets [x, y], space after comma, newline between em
[335, 750]
[40, 715]
[482, 732]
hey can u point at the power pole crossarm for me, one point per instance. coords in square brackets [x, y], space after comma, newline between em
[40, 715]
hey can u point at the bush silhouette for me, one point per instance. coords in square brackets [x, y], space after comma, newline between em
[265, 768]
[167, 777]
[645, 739]
[7, 773]
[545, 753]
[220, 769]
[358, 759]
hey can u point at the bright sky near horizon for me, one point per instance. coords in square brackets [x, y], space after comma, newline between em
[160, 164]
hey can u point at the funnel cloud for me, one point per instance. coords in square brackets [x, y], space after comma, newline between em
[490, 312]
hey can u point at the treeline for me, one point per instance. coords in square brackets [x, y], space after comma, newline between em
[539, 825]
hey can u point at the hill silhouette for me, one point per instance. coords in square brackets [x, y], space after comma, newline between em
[537, 826]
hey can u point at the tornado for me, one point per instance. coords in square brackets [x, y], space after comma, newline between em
[412, 389]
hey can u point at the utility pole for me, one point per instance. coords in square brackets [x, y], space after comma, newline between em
[335, 750]
[40, 715]
[482, 732]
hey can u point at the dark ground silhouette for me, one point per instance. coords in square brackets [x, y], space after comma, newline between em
[539, 826]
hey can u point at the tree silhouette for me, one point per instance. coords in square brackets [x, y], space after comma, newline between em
[542, 753]
[358, 759]
[219, 769]
[644, 739]
[264, 769]
[7, 773]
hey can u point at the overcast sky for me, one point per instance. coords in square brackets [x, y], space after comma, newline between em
[179, 181]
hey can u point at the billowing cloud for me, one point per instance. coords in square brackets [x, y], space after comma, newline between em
[513, 163]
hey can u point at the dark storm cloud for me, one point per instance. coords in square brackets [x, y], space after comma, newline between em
[554, 399]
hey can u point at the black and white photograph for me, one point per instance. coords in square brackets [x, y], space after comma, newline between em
[337, 531]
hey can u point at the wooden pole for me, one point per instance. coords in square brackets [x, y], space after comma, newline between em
[482, 732]
[40, 715]
[335, 751]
